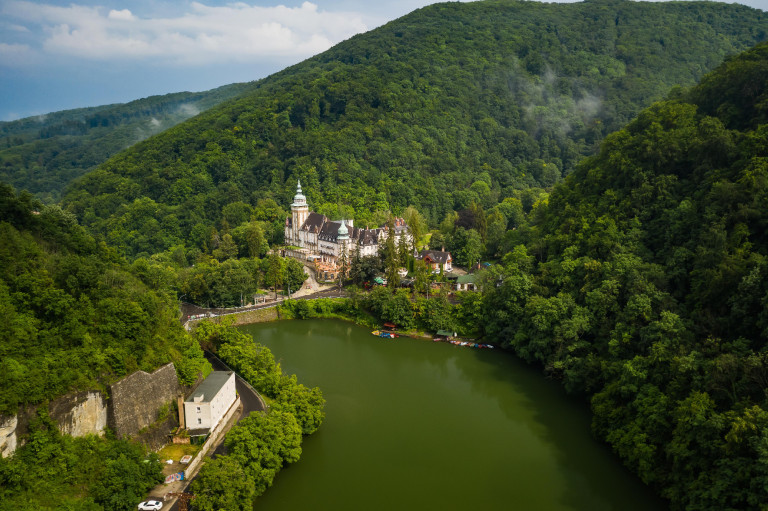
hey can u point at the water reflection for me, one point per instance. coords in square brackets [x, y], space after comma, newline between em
[413, 424]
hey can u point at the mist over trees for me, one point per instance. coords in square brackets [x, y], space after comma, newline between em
[451, 105]
[628, 237]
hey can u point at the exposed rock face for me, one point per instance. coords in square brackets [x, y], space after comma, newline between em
[83, 414]
[8, 435]
[135, 404]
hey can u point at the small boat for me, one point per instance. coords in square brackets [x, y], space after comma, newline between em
[376, 333]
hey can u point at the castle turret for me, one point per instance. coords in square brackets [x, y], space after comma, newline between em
[342, 238]
[299, 211]
[343, 232]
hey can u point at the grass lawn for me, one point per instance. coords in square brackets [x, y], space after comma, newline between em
[176, 451]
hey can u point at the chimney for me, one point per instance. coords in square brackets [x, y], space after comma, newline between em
[442, 249]
[180, 401]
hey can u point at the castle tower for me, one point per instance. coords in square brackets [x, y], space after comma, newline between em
[343, 236]
[342, 239]
[299, 210]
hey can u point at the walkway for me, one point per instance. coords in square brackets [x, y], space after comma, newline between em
[250, 401]
[310, 289]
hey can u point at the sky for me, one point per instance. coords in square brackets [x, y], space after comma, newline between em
[62, 54]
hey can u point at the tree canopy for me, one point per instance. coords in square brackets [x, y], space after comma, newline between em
[74, 315]
[642, 283]
[453, 104]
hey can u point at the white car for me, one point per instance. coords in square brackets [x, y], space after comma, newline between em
[150, 505]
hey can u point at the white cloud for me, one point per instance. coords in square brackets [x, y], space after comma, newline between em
[203, 34]
[17, 55]
[124, 15]
[17, 28]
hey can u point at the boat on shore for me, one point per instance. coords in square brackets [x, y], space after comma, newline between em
[385, 335]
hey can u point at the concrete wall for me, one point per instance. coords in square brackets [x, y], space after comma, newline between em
[197, 419]
[137, 399]
[223, 400]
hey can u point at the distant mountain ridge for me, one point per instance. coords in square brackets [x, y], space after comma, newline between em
[495, 95]
[43, 153]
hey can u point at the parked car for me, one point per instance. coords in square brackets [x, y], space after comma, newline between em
[150, 505]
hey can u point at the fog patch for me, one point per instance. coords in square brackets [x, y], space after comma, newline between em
[188, 110]
[156, 125]
[546, 108]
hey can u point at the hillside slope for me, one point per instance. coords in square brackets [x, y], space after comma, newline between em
[643, 283]
[43, 154]
[74, 314]
[452, 104]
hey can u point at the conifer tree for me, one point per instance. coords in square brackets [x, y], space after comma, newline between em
[391, 260]
[343, 264]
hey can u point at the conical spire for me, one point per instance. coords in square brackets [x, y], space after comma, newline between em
[343, 231]
[299, 199]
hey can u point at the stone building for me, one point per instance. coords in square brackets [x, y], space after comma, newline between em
[317, 238]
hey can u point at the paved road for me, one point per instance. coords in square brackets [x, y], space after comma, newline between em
[251, 402]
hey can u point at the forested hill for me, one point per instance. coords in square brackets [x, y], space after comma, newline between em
[74, 314]
[643, 283]
[453, 104]
[42, 154]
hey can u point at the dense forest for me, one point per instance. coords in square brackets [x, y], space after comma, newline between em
[451, 105]
[42, 154]
[628, 238]
[75, 315]
[642, 283]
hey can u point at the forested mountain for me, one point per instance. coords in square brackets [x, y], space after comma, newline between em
[643, 283]
[74, 314]
[44, 153]
[454, 104]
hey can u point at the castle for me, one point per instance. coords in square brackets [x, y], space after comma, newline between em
[320, 239]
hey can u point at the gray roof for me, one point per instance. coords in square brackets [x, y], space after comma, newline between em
[211, 386]
[329, 231]
[314, 222]
[435, 255]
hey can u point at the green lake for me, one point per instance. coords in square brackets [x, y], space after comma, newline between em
[414, 424]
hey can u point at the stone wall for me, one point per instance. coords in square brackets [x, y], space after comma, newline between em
[134, 405]
[137, 399]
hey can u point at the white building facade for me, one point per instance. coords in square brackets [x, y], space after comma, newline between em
[210, 401]
[322, 239]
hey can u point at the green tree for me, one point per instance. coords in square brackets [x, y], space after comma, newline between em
[416, 224]
[398, 309]
[223, 483]
[274, 275]
[391, 259]
[294, 274]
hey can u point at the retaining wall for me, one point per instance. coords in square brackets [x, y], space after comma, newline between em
[137, 399]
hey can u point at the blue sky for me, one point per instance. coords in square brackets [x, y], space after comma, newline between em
[61, 54]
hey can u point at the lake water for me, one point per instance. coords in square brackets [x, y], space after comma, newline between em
[418, 425]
